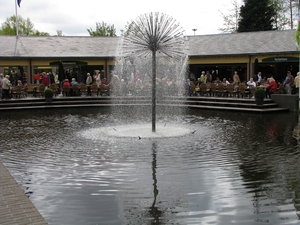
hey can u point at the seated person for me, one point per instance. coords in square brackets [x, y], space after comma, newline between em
[225, 82]
[74, 81]
[271, 87]
[251, 83]
[104, 81]
[19, 83]
[66, 82]
[218, 81]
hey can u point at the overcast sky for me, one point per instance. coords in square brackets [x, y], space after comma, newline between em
[73, 18]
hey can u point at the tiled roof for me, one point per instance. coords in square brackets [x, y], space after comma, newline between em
[248, 43]
[53, 46]
[252, 43]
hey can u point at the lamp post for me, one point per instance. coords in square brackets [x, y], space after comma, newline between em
[196, 29]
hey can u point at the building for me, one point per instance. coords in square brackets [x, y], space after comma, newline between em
[271, 52]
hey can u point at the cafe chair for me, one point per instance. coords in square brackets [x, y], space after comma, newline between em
[66, 90]
[83, 88]
[94, 89]
[40, 90]
[75, 90]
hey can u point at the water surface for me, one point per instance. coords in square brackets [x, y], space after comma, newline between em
[232, 168]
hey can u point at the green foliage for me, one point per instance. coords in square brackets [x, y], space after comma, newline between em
[259, 93]
[103, 29]
[257, 15]
[25, 27]
[48, 92]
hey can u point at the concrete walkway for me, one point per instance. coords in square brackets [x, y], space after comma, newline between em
[15, 206]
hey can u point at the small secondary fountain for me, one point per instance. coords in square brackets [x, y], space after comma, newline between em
[153, 45]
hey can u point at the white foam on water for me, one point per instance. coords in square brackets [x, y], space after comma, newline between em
[138, 130]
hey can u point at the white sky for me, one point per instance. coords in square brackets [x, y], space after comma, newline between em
[73, 18]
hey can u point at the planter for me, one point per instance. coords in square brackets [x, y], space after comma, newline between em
[259, 101]
[48, 99]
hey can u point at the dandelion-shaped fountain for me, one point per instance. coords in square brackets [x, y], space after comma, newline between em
[154, 35]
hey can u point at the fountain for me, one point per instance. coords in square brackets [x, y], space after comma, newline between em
[152, 37]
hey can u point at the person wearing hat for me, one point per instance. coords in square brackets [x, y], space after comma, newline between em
[6, 85]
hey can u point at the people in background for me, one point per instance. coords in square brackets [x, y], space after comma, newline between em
[259, 78]
[89, 79]
[271, 87]
[6, 85]
[202, 77]
[296, 82]
[208, 77]
[236, 80]
[19, 83]
[1, 78]
[251, 83]
[225, 82]
[218, 81]
[287, 83]
[66, 83]
[97, 77]
[45, 80]
[73, 81]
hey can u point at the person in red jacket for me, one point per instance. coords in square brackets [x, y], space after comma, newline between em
[271, 87]
[46, 80]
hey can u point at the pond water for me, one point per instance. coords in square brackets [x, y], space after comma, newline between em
[229, 168]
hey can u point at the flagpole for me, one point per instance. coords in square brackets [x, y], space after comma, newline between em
[17, 23]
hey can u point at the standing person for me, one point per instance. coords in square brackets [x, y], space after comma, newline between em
[236, 80]
[287, 83]
[6, 85]
[1, 78]
[89, 79]
[259, 78]
[97, 77]
[296, 82]
[51, 78]
[208, 77]
[45, 80]
[202, 77]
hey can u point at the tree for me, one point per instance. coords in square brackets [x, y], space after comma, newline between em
[103, 29]
[230, 24]
[257, 15]
[25, 27]
[59, 33]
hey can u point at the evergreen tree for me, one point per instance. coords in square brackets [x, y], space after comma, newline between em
[256, 15]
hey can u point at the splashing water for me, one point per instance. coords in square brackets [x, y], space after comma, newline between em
[152, 59]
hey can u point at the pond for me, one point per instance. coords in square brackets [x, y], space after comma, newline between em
[231, 168]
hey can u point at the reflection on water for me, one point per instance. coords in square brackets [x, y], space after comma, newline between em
[235, 169]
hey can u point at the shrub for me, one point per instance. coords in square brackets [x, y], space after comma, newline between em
[259, 93]
[48, 92]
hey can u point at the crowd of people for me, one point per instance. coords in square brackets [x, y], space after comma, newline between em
[290, 84]
[135, 84]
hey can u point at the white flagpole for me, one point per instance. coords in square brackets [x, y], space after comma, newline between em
[17, 23]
